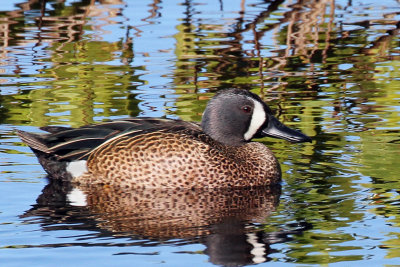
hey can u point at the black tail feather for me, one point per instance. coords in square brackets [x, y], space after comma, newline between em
[34, 141]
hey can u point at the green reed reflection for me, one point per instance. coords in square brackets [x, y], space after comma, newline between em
[77, 86]
[328, 68]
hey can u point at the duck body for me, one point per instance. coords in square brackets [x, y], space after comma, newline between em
[151, 153]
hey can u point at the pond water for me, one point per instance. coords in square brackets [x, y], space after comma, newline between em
[329, 68]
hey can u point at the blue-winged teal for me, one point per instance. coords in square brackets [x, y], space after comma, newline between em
[145, 152]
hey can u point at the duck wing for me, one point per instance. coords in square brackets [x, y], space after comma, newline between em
[69, 144]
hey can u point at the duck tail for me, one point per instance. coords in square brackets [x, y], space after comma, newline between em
[49, 161]
[35, 141]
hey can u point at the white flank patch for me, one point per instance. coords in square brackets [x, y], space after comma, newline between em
[77, 197]
[257, 120]
[258, 250]
[77, 168]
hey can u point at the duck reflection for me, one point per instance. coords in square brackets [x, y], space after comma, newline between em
[224, 220]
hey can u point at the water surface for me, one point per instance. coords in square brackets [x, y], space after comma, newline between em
[328, 68]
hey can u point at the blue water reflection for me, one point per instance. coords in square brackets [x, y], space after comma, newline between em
[329, 68]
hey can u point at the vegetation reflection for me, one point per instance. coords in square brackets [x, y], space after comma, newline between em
[333, 78]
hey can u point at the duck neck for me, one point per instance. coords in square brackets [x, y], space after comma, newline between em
[223, 136]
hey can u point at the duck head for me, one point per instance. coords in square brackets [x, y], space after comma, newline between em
[235, 116]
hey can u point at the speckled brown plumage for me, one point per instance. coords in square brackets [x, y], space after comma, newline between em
[187, 158]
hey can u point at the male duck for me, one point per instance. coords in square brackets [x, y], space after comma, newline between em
[146, 152]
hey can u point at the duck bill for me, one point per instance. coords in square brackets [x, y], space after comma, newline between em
[276, 129]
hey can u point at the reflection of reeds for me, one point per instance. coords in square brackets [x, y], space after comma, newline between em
[53, 27]
[209, 53]
[305, 24]
[64, 30]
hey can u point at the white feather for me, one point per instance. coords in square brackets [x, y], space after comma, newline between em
[77, 168]
[257, 120]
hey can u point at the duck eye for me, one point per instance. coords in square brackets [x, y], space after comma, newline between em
[246, 109]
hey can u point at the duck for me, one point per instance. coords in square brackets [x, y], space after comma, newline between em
[144, 152]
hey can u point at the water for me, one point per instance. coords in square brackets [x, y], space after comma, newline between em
[329, 68]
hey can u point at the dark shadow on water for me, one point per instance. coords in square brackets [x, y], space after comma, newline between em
[228, 222]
